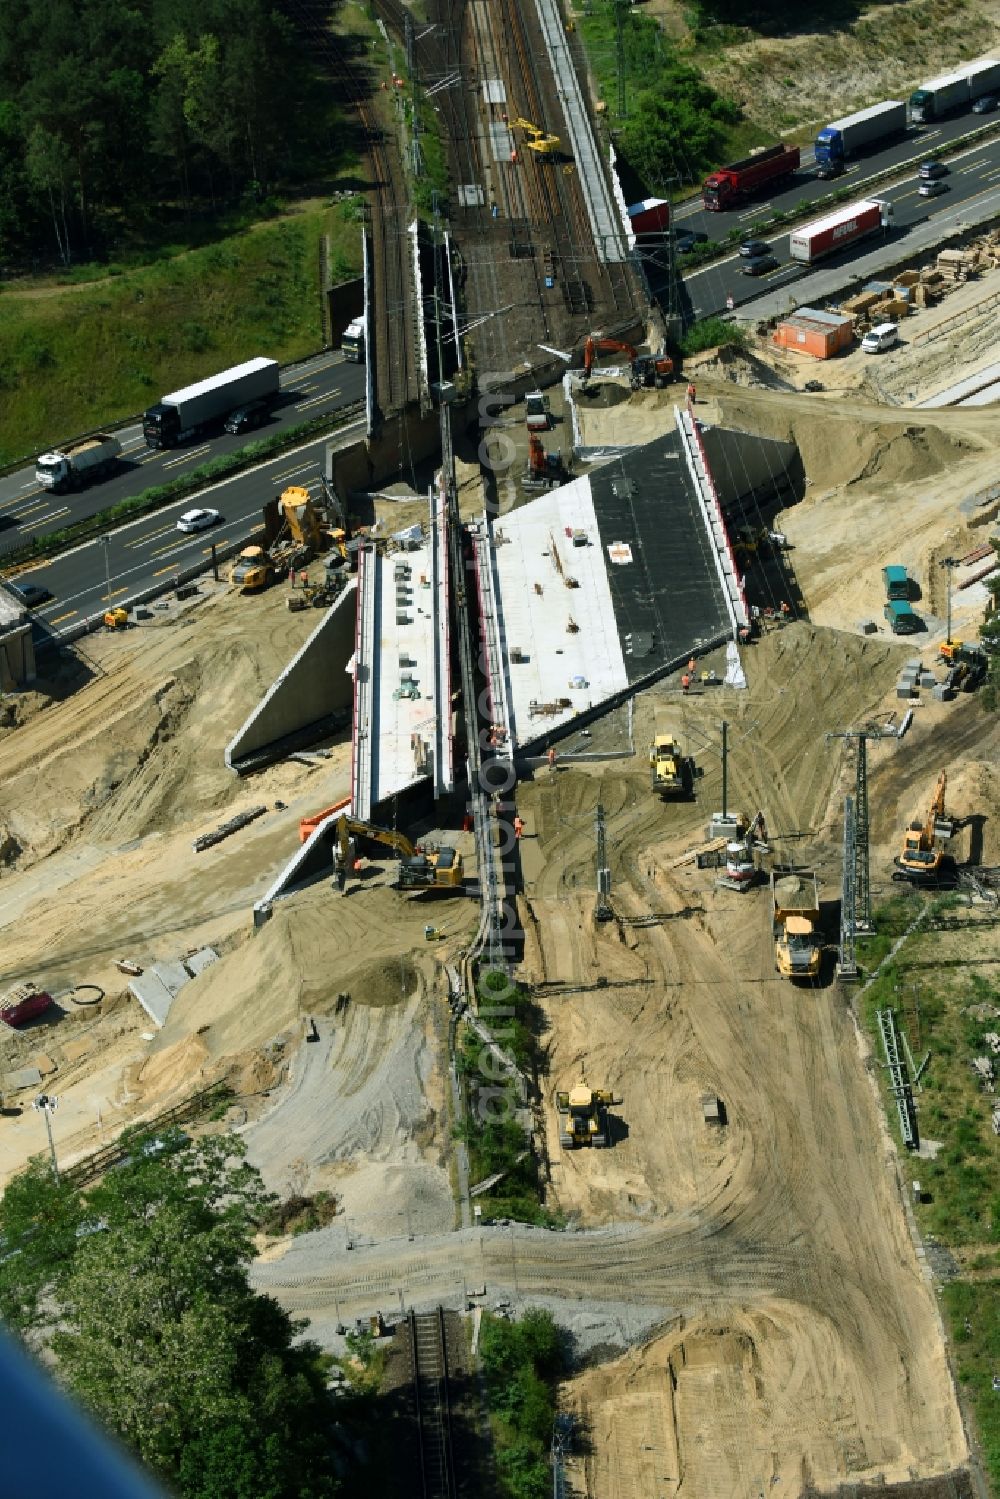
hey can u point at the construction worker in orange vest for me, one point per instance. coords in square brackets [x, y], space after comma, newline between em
[692, 394]
[518, 827]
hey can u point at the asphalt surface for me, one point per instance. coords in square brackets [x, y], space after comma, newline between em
[151, 551]
[310, 389]
[975, 171]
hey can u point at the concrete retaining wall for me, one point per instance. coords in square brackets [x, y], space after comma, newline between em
[17, 656]
[313, 686]
[744, 464]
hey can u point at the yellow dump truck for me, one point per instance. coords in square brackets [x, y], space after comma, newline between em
[795, 917]
[252, 570]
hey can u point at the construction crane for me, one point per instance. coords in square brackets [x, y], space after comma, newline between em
[922, 853]
[540, 141]
[584, 1115]
[419, 868]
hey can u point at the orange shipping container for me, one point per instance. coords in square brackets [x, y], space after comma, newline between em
[814, 332]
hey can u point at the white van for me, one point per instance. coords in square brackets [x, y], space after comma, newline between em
[877, 340]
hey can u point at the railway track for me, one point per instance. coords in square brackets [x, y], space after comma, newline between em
[396, 375]
[432, 1403]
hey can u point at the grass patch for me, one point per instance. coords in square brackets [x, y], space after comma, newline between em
[960, 1186]
[713, 333]
[521, 1363]
[77, 358]
[973, 1312]
[300, 1214]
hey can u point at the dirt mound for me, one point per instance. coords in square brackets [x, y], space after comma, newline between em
[853, 446]
[178, 1069]
[740, 367]
[387, 981]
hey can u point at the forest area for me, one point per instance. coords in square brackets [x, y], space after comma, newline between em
[119, 122]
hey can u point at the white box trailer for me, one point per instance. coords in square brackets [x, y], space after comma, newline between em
[983, 77]
[184, 412]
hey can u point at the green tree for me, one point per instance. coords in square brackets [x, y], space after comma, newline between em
[139, 1289]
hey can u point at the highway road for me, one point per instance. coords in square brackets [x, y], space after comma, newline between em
[919, 142]
[970, 189]
[310, 389]
[151, 551]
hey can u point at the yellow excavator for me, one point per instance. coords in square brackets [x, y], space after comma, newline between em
[419, 868]
[922, 854]
[584, 1115]
[302, 537]
[540, 142]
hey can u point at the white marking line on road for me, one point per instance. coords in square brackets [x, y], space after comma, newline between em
[30, 509]
[327, 395]
[186, 457]
[30, 485]
[50, 515]
[140, 541]
[290, 474]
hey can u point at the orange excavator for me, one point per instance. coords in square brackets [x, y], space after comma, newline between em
[922, 855]
[544, 469]
[603, 346]
[645, 370]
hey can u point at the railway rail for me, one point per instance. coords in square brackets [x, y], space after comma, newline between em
[395, 360]
[432, 1403]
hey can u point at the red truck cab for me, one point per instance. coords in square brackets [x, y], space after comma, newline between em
[22, 1004]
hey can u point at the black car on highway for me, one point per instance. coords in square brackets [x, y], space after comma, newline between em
[759, 265]
[754, 247]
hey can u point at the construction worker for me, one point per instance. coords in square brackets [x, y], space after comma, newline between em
[685, 682]
[692, 394]
[786, 609]
[468, 823]
[730, 304]
[552, 758]
[518, 826]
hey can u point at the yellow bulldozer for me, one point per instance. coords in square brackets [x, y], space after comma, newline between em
[671, 773]
[419, 868]
[583, 1115]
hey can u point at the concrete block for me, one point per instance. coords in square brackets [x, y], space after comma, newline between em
[154, 996]
[907, 691]
[927, 679]
[942, 693]
[200, 960]
[914, 664]
[172, 975]
[21, 1077]
[867, 627]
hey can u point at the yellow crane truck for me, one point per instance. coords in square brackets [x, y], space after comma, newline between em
[795, 924]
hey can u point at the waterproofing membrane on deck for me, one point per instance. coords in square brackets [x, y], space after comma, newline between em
[668, 599]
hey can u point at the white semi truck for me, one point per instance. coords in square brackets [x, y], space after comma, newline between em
[183, 413]
[79, 463]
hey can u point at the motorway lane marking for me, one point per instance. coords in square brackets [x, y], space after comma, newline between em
[50, 515]
[302, 469]
[327, 395]
[140, 541]
[32, 486]
[161, 570]
[30, 509]
[174, 546]
[60, 617]
[186, 457]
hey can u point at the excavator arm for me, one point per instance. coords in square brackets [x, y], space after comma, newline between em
[353, 827]
[604, 346]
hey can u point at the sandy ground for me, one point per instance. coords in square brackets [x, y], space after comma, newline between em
[839, 1370]
[102, 787]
